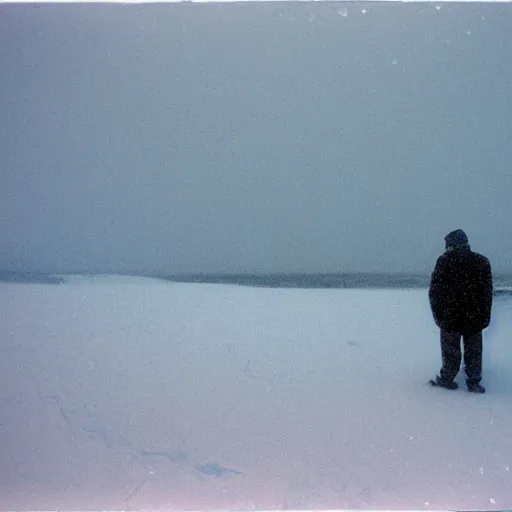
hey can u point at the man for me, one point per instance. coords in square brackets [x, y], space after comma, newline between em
[460, 297]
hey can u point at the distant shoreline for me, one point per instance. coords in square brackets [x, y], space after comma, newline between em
[503, 283]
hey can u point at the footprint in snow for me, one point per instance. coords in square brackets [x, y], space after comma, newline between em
[216, 470]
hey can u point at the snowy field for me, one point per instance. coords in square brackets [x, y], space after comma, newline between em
[130, 393]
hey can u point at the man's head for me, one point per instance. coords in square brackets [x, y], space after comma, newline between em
[455, 239]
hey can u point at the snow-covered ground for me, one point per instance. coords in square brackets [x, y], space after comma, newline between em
[119, 393]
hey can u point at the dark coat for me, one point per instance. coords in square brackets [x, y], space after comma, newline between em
[460, 291]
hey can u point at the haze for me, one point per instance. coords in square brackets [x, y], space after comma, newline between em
[298, 137]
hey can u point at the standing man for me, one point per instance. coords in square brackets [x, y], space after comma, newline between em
[460, 297]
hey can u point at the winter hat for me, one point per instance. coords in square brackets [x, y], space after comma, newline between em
[455, 238]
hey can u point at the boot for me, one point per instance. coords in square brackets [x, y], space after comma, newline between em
[445, 384]
[475, 387]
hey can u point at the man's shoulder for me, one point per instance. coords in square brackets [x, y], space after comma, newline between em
[442, 261]
[455, 258]
[480, 258]
[444, 258]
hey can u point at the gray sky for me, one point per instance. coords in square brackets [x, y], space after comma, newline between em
[253, 137]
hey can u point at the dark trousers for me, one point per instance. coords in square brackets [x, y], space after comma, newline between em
[451, 354]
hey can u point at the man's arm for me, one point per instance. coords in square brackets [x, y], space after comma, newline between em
[487, 292]
[436, 290]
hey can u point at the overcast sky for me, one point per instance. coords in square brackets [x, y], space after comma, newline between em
[253, 137]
